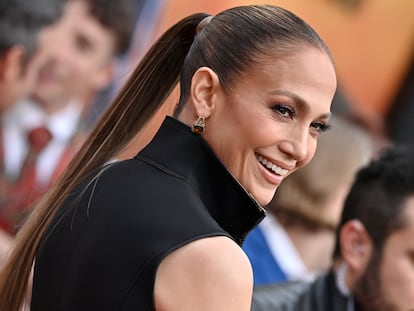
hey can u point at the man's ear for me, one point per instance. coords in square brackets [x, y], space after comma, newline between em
[12, 63]
[204, 86]
[356, 245]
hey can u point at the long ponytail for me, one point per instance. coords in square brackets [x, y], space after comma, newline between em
[143, 94]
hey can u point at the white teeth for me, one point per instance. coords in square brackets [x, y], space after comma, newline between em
[277, 169]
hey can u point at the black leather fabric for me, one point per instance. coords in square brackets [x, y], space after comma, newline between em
[321, 295]
[104, 246]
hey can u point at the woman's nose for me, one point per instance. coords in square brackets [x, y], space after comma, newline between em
[296, 144]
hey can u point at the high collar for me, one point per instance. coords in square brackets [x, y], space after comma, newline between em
[177, 150]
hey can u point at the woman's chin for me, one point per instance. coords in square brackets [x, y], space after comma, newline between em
[265, 198]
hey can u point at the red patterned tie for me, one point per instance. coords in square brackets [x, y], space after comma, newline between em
[24, 191]
[37, 140]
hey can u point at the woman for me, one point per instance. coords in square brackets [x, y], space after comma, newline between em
[162, 231]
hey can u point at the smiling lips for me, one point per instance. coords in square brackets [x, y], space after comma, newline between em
[272, 167]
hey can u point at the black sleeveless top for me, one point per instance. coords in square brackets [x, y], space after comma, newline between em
[105, 244]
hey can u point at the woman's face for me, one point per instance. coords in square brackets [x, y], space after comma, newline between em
[267, 126]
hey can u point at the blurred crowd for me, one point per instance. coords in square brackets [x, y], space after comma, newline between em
[61, 63]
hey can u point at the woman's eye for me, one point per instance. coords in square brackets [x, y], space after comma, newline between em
[320, 127]
[411, 256]
[285, 111]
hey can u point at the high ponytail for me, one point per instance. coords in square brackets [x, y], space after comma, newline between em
[140, 98]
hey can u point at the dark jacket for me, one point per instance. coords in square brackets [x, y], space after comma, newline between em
[103, 249]
[321, 295]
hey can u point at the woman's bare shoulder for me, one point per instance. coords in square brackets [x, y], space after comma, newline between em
[208, 274]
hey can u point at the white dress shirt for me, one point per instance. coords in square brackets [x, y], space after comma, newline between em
[26, 115]
[283, 250]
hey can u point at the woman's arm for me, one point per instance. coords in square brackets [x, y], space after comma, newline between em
[211, 274]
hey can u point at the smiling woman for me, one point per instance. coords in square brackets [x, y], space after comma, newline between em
[278, 119]
[256, 84]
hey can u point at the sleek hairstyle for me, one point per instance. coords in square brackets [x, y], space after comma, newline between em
[22, 20]
[116, 16]
[230, 43]
[238, 38]
[304, 197]
[379, 194]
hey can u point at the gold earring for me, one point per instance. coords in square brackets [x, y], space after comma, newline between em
[199, 126]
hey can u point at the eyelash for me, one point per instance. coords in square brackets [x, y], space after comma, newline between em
[321, 127]
[283, 110]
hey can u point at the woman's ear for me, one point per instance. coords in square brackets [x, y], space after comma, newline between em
[356, 246]
[204, 87]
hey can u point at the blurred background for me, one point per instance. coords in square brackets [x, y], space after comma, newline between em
[372, 42]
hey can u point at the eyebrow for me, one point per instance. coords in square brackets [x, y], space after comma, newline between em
[303, 105]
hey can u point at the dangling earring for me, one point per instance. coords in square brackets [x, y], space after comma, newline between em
[199, 126]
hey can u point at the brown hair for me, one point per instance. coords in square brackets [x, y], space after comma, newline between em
[235, 39]
[228, 45]
[21, 21]
[116, 16]
[379, 195]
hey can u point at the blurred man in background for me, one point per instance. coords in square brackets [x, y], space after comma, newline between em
[42, 132]
[21, 24]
